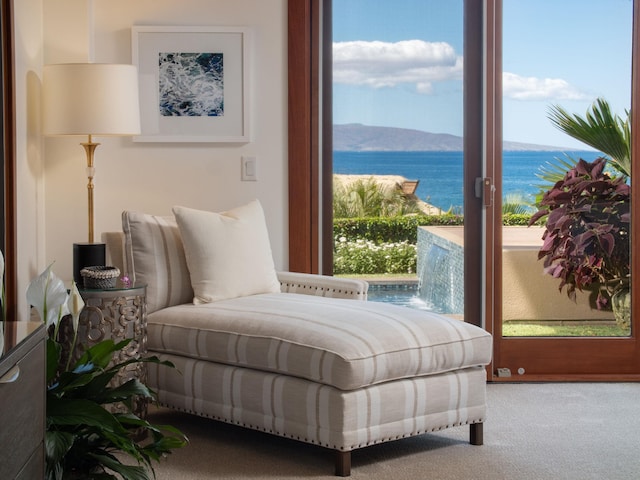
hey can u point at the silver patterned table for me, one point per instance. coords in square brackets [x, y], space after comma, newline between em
[118, 313]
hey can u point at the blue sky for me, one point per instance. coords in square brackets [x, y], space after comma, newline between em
[400, 63]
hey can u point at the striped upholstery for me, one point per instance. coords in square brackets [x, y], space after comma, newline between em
[154, 257]
[320, 414]
[309, 363]
[343, 343]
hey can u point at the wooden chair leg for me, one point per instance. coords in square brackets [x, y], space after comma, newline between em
[343, 464]
[476, 433]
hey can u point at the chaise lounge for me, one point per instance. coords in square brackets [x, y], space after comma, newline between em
[297, 355]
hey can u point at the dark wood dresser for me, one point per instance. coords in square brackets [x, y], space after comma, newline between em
[22, 401]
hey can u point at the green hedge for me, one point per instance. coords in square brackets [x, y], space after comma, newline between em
[378, 245]
[389, 229]
[516, 219]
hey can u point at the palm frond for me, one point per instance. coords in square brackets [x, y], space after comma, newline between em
[555, 170]
[552, 172]
[600, 129]
[516, 203]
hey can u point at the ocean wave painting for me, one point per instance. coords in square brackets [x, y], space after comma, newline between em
[191, 84]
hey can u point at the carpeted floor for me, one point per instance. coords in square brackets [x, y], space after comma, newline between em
[533, 431]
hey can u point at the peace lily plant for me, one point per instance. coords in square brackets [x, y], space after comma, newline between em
[83, 438]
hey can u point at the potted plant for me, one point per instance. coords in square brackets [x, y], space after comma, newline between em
[586, 240]
[84, 438]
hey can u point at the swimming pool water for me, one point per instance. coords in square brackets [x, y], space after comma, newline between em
[403, 295]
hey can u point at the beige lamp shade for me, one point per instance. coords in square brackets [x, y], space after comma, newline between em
[90, 99]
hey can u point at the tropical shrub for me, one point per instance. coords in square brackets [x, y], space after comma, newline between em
[369, 198]
[586, 240]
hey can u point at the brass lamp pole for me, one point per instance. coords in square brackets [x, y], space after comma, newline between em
[90, 148]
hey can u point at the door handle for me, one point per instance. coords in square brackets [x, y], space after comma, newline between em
[11, 376]
[484, 189]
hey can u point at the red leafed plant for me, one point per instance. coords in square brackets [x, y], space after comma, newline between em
[586, 241]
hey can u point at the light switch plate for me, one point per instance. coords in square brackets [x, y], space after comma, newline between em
[249, 169]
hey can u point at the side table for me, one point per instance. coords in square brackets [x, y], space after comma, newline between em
[118, 313]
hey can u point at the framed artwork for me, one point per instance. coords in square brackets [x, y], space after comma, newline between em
[193, 83]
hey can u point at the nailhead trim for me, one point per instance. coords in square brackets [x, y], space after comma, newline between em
[346, 448]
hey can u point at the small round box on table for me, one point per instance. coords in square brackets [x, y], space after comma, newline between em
[118, 313]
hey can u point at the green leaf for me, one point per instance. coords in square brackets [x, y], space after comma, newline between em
[600, 129]
[123, 392]
[54, 351]
[96, 387]
[153, 359]
[169, 443]
[57, 444]
[68, 381]
[130, 420]
[128, 472]
[101, 353]
[124, 443]
[80, 412]
[54, 471]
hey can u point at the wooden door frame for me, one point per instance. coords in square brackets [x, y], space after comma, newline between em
[304, 47]
[474, 141]
[305, 44]
[588, 359]
[8, 160]
[310, 143]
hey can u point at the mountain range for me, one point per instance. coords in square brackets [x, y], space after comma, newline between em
[355, 137]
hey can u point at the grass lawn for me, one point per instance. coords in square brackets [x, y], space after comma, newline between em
[521, 329]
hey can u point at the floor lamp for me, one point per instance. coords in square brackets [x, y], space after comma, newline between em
[90, 99]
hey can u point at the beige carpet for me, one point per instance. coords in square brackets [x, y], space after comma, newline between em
[533, 431]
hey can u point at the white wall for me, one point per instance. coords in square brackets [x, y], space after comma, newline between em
[28, 28]
[153, 177]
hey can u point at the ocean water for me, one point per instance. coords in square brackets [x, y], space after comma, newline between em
[440, 173]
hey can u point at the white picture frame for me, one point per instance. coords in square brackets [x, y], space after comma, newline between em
[194, 83]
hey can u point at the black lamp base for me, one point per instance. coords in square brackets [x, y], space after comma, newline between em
[87, 255]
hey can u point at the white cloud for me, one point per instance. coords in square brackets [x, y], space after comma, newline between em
[533, 88]
[383, 64]
[416, 62]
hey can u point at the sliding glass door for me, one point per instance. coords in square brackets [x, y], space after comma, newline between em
[496, 285]
[397, 127]
[566, 98]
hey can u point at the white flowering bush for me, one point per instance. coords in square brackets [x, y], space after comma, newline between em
[366, 257]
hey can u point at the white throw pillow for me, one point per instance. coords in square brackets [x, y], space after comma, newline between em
[228, 253]
[154, 256]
